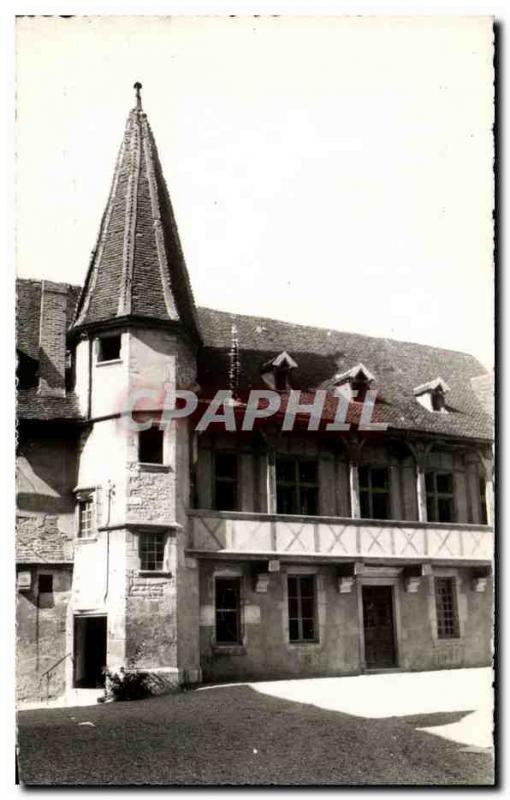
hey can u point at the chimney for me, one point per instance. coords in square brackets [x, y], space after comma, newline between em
[52, 339]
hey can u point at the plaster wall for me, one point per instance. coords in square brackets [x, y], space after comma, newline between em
[267, 653]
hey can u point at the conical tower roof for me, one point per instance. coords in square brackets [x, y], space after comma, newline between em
[137, 270]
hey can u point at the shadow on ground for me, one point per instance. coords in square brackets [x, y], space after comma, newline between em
[235, 735]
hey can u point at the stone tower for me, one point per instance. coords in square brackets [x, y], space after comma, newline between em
[135, 331]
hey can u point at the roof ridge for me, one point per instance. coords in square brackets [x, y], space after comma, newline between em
[387, 339]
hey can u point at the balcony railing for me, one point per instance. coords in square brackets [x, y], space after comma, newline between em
[269, 535]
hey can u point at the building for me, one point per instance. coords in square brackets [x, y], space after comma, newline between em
[210, 555]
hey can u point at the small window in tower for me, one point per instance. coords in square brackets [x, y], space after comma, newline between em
[150, 446]
[45, 584]
[152, 552]
[109, 348]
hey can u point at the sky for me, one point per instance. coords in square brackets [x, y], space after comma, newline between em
[325, 171]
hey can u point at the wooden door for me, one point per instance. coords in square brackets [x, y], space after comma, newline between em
[378, 627]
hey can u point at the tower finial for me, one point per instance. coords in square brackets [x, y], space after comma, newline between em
[137, 86]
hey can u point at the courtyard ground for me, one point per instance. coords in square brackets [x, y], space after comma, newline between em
[380, 729]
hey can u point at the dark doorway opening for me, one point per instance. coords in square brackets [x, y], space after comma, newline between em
[89, 651]
[378, 627]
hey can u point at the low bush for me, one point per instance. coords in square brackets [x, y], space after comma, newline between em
[123, 684]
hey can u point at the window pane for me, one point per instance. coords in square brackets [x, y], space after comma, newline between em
[446, 609]
[380, 506]
[430, 482]
[301, 591]
[228, 610]
[152, 546]
[109, 348]
[85, 526]
[293, 607]
[431, 509]
[286, 500]
[307, 607]
[308, 629]
[308, 501]
[285, 470]
[444, 482]
[226, 496]
[227, 594]
[308, 471]
[226, 465]
[364, 502]
[379, 478]
[293, 630]
[150, 446]
[307, 585]
[363, 477]
[445, 509]
[227, 627]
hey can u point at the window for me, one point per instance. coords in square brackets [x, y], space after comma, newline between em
[228, 610]
[301, 590]
[446, 608]
[439, 486]
[225, 481]
[483, 503]
[85, 517]
[437, 400]
[109, 348]
[45, 584]
[281, 379]
[374, 492]
[152, 551]
[296, 485]
[150, 446]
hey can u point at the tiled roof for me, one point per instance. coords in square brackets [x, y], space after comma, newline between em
[30, 404]
[321, 353]
[39, 540]
[28, 313]
[137, 267]
[33, 406]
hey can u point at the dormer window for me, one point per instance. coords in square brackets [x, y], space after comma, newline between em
[276, 373]
[432, 395]
[354, 383]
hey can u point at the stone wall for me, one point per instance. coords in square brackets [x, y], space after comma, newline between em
[266, 652]
[41, 634]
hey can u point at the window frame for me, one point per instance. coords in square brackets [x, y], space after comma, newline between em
[99, 351]
[435, 496]
[161, 433]
[86, 498]
[225, 479]
[301, 640]
[297, 484]
[143, 538]
[237, 579]
[441, 622]
[370, 490]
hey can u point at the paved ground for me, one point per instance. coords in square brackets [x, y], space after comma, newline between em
[243, 735]
[404, 694]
